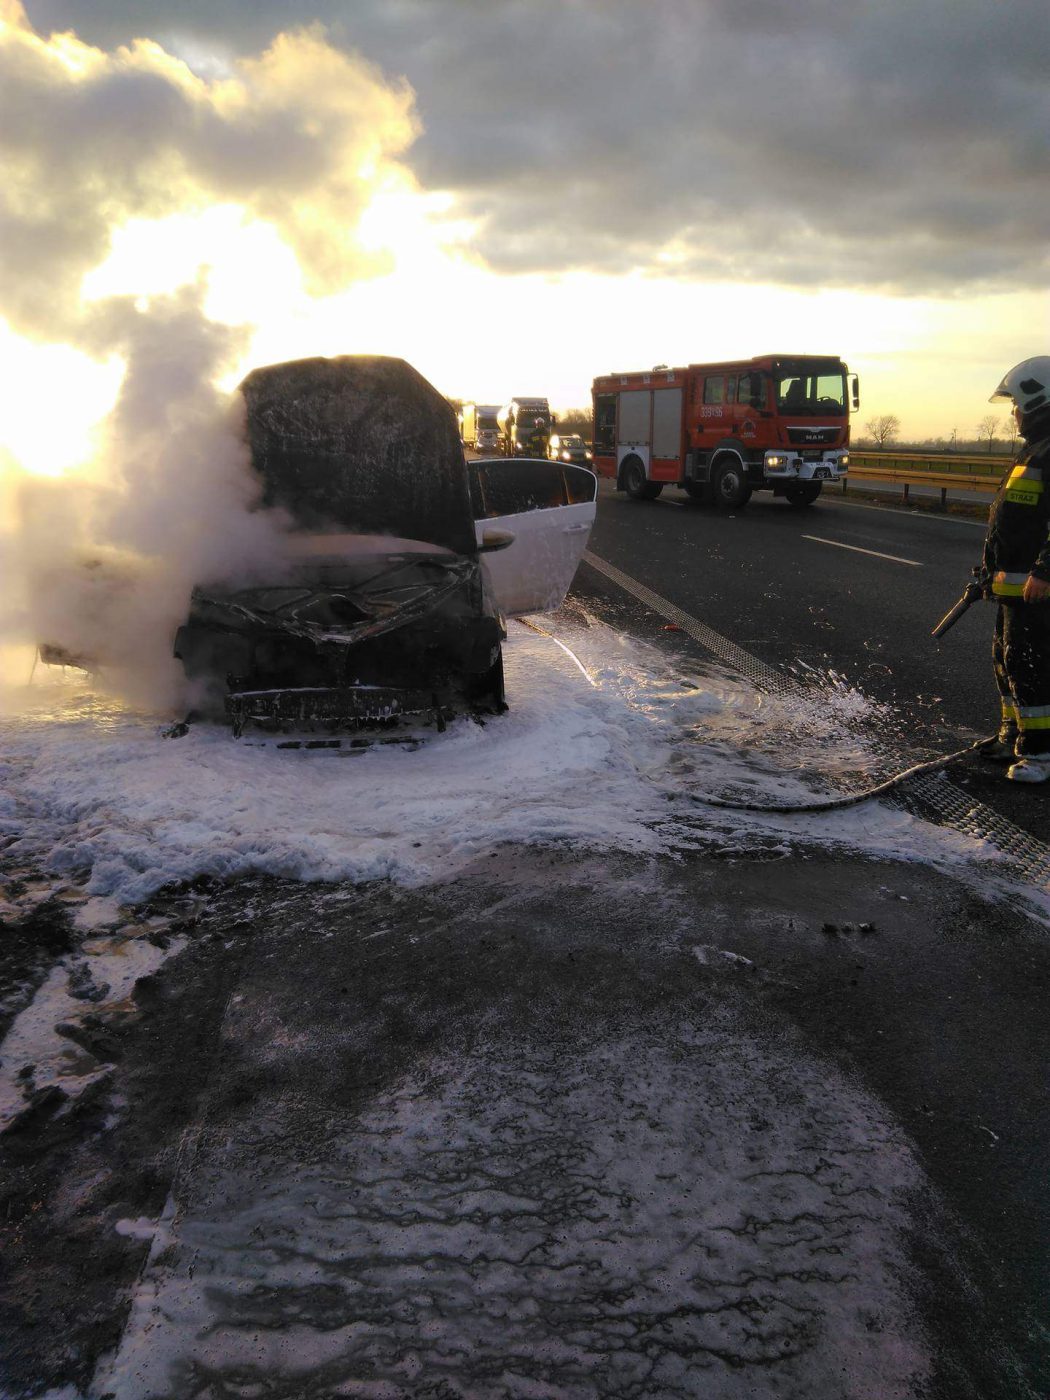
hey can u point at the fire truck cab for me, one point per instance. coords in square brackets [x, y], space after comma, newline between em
[721, 431]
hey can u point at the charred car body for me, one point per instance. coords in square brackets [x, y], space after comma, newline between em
[382, 606]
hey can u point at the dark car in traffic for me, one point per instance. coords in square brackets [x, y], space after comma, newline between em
[569, 447]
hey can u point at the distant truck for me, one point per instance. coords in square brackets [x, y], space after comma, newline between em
[721, 431]
[525, 427]
[478, 427]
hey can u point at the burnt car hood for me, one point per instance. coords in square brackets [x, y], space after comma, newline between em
[361, 443]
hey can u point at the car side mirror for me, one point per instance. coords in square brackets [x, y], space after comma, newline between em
[494, 540]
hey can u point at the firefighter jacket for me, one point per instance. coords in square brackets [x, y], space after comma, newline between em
[1018, 540]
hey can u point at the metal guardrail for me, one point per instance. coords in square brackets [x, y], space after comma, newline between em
[943, 473]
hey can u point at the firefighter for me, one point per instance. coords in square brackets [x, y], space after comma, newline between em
[1017, 569]
[537, 439]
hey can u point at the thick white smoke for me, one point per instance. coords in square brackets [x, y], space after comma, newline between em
[101, 561]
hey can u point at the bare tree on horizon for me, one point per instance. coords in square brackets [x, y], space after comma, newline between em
[988, 430]
[884, 429]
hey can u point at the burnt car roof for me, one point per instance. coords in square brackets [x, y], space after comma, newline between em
[360, 443]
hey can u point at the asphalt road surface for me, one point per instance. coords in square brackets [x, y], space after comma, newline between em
[840, 588]
[840, 585]
[730, 1121]
[566, 1125]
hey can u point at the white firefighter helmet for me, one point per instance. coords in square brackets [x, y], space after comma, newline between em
[1027, 385]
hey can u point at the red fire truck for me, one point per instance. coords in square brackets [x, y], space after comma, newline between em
[721, 431]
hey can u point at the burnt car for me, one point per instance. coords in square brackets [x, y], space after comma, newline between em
[382, 605]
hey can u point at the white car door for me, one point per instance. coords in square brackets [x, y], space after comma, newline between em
[549, 508]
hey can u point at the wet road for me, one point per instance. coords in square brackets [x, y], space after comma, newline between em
[840, 588]
[843, 585]
[736, 1118]
[585, 1127]
[852, 587]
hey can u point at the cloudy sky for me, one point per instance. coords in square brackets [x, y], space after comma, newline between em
[517, 195]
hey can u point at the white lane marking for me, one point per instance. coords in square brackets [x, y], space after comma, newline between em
[723, 648]
[525, 622]
[857, 550]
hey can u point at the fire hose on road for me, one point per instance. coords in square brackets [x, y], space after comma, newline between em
[972, 593]
[849, 799]
[824, 804]
[947, 803]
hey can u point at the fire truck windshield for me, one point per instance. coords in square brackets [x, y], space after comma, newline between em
[810, 392]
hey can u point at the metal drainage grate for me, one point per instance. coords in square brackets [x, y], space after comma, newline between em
[936, 794]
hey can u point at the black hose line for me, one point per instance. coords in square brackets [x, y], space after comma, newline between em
[851, 799]
[823, 804]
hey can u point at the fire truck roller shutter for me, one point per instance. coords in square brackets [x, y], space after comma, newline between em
[634, 444]
[634, 428]
[667, 423]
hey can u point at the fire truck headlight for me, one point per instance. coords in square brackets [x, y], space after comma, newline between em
[843, 461]
[589, 455]
[774, 460]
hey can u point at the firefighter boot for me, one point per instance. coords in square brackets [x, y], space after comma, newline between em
[999, 748]
[1033, 769]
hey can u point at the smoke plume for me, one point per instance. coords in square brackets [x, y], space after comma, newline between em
[101, 561]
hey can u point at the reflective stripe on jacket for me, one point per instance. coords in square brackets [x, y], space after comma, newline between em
[1006, 585]
[1018, 540]
[1033, 717]
[1026, 717]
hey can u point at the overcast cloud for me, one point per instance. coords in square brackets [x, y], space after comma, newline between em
[300, 134]
[891, 145]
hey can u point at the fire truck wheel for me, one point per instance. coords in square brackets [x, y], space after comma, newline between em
[730, 485]
[635, 483]
[802, 493]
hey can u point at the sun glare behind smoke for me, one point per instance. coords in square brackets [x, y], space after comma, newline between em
[156, 219]
[252, 276]
[43, 437]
